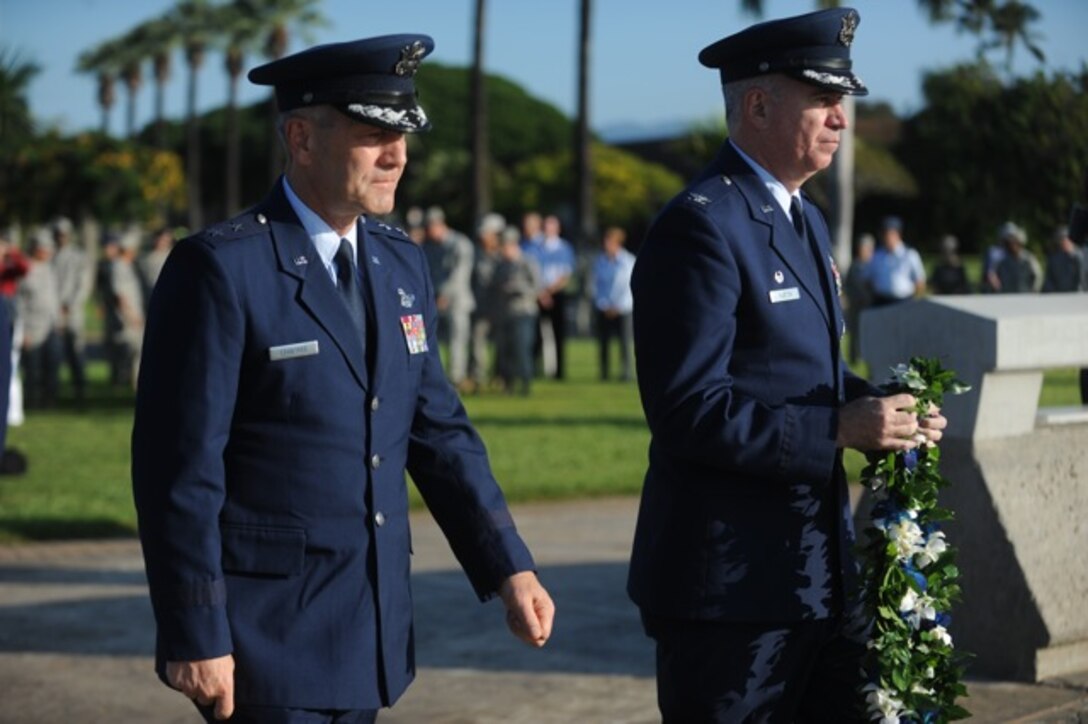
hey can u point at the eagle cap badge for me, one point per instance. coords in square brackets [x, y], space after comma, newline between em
[849, 26]
[410, 57]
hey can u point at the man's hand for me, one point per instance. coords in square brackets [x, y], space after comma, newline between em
[210, 681]
[529, 608]
[884, 423]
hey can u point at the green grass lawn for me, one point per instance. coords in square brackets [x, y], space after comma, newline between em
[578, 438]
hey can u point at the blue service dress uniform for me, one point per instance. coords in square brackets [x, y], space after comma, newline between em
[269, 452]
[745, 518]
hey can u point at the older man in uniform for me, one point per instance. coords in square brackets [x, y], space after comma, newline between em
[290, 377]
[742, 563]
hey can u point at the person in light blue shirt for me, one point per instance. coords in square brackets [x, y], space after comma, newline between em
[895, 273]
[554, 257]
[613, 301]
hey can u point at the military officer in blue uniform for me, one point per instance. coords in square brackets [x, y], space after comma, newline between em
[742, 561]
[290, 377]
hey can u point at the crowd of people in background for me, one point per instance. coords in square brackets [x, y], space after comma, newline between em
[508, 296]
[47, 283]
[506, 301]
[893, 271]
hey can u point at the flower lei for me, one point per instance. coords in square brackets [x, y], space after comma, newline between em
[909, 572]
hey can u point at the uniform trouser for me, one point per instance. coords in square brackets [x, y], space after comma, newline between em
[621, 328]
[552, 340]
[41, 372]
[278, 715]
[459, 328]
[516, 351]
[480, 356]
[800, 671]
[72, 343]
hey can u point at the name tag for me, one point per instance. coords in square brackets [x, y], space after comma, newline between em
[290, 351]
[785, 295]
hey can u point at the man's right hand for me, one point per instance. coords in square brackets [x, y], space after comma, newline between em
[878, 423]
[207, 682]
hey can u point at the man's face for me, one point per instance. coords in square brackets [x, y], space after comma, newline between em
[355, 166]
[806, 122]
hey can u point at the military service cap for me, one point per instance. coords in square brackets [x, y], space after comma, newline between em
[813, 48]
[370, 80]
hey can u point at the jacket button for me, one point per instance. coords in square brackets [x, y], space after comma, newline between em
[375, 404]
[375, 461]
[379, 519]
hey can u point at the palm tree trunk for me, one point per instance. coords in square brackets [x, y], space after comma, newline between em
[162, 75]
[192, 153]
[481, 189]
[586, 218]
[234, 171]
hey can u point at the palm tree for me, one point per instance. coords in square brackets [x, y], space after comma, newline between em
[101, 60]
[156, 39]
[584, 211]
[242, 30]
[131, 58]
[195, 21]
[277, 16]
[15, 76]
[481, 189]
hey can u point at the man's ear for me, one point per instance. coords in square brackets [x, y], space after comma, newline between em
[299, 135]
[757, 107]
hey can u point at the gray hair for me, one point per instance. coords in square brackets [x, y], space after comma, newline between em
[735, 91]
[320, 116]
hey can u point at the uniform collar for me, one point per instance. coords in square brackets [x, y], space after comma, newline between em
[325, 239]
[777, 188]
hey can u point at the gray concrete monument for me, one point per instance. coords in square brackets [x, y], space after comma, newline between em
[1019, 473]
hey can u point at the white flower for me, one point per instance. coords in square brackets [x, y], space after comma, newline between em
[916, 608]
[882, 705]
[908, 377]
[940, 633]
[908, 537]
[934, 546]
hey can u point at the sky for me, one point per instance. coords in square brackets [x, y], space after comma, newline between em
[644, 72]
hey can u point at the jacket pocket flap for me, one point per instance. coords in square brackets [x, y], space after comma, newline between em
[263, 550]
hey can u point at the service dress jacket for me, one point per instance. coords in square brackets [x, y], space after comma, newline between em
[744, 513]
[268, 459]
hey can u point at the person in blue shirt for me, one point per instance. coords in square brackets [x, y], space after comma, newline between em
[895, 272]
[555, 259]
[612, 300]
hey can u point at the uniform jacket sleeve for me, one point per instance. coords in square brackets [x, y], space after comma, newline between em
[185, 400]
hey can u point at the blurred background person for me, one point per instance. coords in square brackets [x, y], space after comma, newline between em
[532, 229]
[554, 257]
[74, 273]
[13, 267]
[949, 275]
[516, 282]
[413, 221]
[452, 253]
[857, 291]
[895, 272]
[150, 262]
[484, 318]
[38, 306]
[1065, 270]
[1019, 271]
[613, 301]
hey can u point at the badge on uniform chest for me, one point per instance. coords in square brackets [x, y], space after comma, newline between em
[415, 334]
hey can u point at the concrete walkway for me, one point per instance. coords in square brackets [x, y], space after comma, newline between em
[76, 637]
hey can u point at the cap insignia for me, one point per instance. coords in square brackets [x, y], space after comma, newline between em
[849, 25]
[410, 57]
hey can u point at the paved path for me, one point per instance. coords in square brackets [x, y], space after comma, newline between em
[76, 638]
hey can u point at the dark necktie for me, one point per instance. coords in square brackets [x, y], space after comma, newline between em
[347, 283]
[798, 218]
[808, 241]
